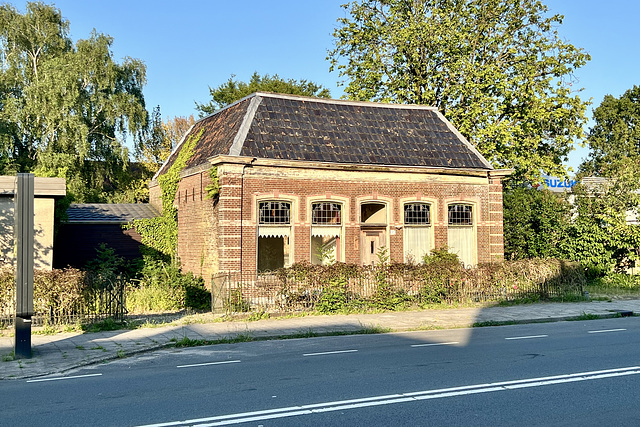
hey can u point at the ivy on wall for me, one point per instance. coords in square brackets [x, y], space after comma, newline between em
[213, 189]
[161, 233]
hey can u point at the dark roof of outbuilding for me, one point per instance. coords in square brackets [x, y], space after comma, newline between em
[288, 127]
[108, 213]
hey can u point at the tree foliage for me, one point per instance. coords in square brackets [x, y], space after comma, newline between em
[234, 90]
[615, 136]
[66, 108]
[497, 69]
[614, 143]
[589, 227]
[535, 223]
[600, 237]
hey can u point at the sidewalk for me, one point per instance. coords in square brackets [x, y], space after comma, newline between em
[56, 354]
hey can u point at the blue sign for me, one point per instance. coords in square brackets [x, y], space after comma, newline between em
[559, 183]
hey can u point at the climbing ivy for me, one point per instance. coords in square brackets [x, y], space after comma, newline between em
[213, 189]
[161, 233]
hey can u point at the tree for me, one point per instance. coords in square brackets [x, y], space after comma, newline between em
[66, 109]
[160, 139]
[535, 223]
[599, 237]
[497, 69]
[175, 129]
[234, 90]
[614, 140]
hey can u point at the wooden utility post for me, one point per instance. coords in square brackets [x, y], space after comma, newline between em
[24, 230]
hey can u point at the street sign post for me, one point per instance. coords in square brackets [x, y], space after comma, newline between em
[24, 230]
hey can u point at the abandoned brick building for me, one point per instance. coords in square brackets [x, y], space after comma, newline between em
[319, 180]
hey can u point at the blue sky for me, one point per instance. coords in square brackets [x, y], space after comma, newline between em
[190, 45]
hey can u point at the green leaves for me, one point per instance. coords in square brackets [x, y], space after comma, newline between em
[497, 69]
[234, 90]
[65, 107]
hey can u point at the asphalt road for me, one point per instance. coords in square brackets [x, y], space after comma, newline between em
[566, 373]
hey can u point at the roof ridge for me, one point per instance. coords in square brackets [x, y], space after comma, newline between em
[342, 101]
[241, 135]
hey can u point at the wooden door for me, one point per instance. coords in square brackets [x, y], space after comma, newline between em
[371, 240]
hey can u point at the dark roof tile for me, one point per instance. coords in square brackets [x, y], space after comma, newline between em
[266, 125]
[118, 213]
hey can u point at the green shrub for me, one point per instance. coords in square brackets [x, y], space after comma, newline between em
[163, 287]
[236, 302]
[441, 255]
[334, 297]
[620, 281]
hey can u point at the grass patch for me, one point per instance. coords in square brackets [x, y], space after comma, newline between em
[9, 357]
[105, 325]
[494, 323]
[586, 316]
[189, 342]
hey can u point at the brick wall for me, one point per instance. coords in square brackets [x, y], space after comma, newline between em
[212, 238]
[198, 226]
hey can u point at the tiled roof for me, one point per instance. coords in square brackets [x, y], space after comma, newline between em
[274, 126]
[116, 213]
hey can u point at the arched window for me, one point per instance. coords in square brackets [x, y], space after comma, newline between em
[326, 232]
[462, 233]
[274, 233]
[418, 233]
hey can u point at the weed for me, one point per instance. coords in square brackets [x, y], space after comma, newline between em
[258, 315]
[98, 347]
[494, 323]
[80, 347]
[586, 316]
[104, 325]
[120, 354]
[9, 357]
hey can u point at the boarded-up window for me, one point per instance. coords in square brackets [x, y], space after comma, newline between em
[462, 233]
[418, 233]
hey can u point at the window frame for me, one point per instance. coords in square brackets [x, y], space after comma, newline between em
[428, 223]
[462, 220]
[288, 211]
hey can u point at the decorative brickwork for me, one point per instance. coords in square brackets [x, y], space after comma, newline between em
[213, 238]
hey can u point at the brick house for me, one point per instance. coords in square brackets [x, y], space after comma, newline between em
[318, 180]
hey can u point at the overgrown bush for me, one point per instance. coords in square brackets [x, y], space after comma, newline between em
[163, 287]
[620, 281]
[396, 286]
[56, 293]
[335, 296]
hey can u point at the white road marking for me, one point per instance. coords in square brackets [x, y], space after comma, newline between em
[390, 399]
[434, 344]
[329, 352]
[63, 378]
[606, 330]
[527, 337]
[208, 364]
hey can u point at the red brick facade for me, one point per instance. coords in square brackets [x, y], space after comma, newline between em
[222, 234]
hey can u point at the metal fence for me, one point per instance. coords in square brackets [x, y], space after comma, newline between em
[93, 305]
[242, 292]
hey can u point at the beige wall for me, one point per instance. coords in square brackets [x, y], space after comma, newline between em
[43, 232]
[6, 231]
